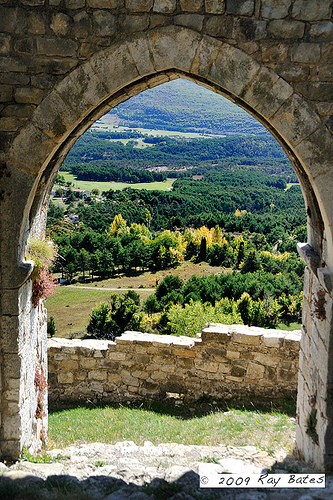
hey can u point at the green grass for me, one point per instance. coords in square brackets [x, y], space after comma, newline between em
[205, 423]
[106, 186]
[146, 131]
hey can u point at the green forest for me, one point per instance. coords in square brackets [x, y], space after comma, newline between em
[235, 204]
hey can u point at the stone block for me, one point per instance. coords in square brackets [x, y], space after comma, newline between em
[184, 353]
[69, 364]
[173, 47]
[104, 23]
[252, 29]
[139, 50]
[219, 26]
[295, 120]
[139, 5]
[60, 24]
[233, 70]
[193, 21]
[233, 355]
[240, 7]
[322, 30]
[293, 72]
[245, 335]
[105, 4]
[315, 151]
[11, 425]
[206, 366]
[215, 332]
[255, 371]
[82, 24]
[75, 4]
[305, 53]
[217, 354]
[28, 95]
[215, 6]
[65, 378]
[114, 67]
[55, 117]
[97, 375]
[165, 6]
[56, 47]
[8, 64]
[114, 378]
[325, 73]
[286, 29]
[88, 363]
[35, 23]
[6, 93]
[265, 359]
[275, 9]
[135, 23]
[4, 44]
[191, 5]
[311, 12]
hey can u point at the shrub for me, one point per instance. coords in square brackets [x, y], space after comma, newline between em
[51, 326]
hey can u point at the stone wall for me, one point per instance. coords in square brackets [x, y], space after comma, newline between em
[222, 361]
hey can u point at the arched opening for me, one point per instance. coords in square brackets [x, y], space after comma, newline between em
[126, 68]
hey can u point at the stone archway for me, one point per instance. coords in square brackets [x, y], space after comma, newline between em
[109, 77]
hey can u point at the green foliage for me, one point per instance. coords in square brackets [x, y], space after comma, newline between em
[51, 326]
[43, 253]
[109, 320]
[190, 319]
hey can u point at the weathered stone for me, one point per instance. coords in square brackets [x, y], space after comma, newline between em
[139, 5]
[56, 47]
[255, 371]
[240, 7]
[295, 120]
[322, 30]
[28, 95]
[275, 9]
[293, 73]
[75, 4]
[82, 24]
[306, 53]
[194, 21]
[4, 44]
[133, 23]
[219, 27]
[65, 378]
[191, 5]
[105, 4]
[314, 12]
[215, 6]
[322, 91]
[286, 29]
[60, 24]
[104, 23]
[8, 64]
[325, 73]
[165, 6]
[253, 29]
[6, 92]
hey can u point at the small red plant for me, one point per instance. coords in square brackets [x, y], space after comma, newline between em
[43, 286]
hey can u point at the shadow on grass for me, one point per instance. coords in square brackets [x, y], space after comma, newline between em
[195, 409]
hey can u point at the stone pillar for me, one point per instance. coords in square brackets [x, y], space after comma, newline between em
[23, 373]
[314, 434]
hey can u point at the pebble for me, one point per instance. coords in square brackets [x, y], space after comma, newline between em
[100, 471]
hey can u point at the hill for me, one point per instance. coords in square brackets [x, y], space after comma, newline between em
[184, 106]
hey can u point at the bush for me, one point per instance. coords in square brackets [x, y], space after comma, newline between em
[51, 326]
[108, 321]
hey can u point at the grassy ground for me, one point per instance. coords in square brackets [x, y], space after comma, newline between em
[145, 131]
[106, 186]
[266, 425]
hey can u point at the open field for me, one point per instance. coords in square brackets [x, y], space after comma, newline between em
[268, 425]
[103, 125]
[106, 186]
[71, 305]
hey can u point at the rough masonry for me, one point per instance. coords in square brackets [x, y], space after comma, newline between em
[223, 361]
[64, 63]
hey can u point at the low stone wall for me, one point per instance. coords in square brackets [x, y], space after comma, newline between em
[222, 361]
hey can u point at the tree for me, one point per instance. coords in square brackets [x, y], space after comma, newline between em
[51, 326]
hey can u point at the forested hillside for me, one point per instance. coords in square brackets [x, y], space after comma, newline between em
[184, 106]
